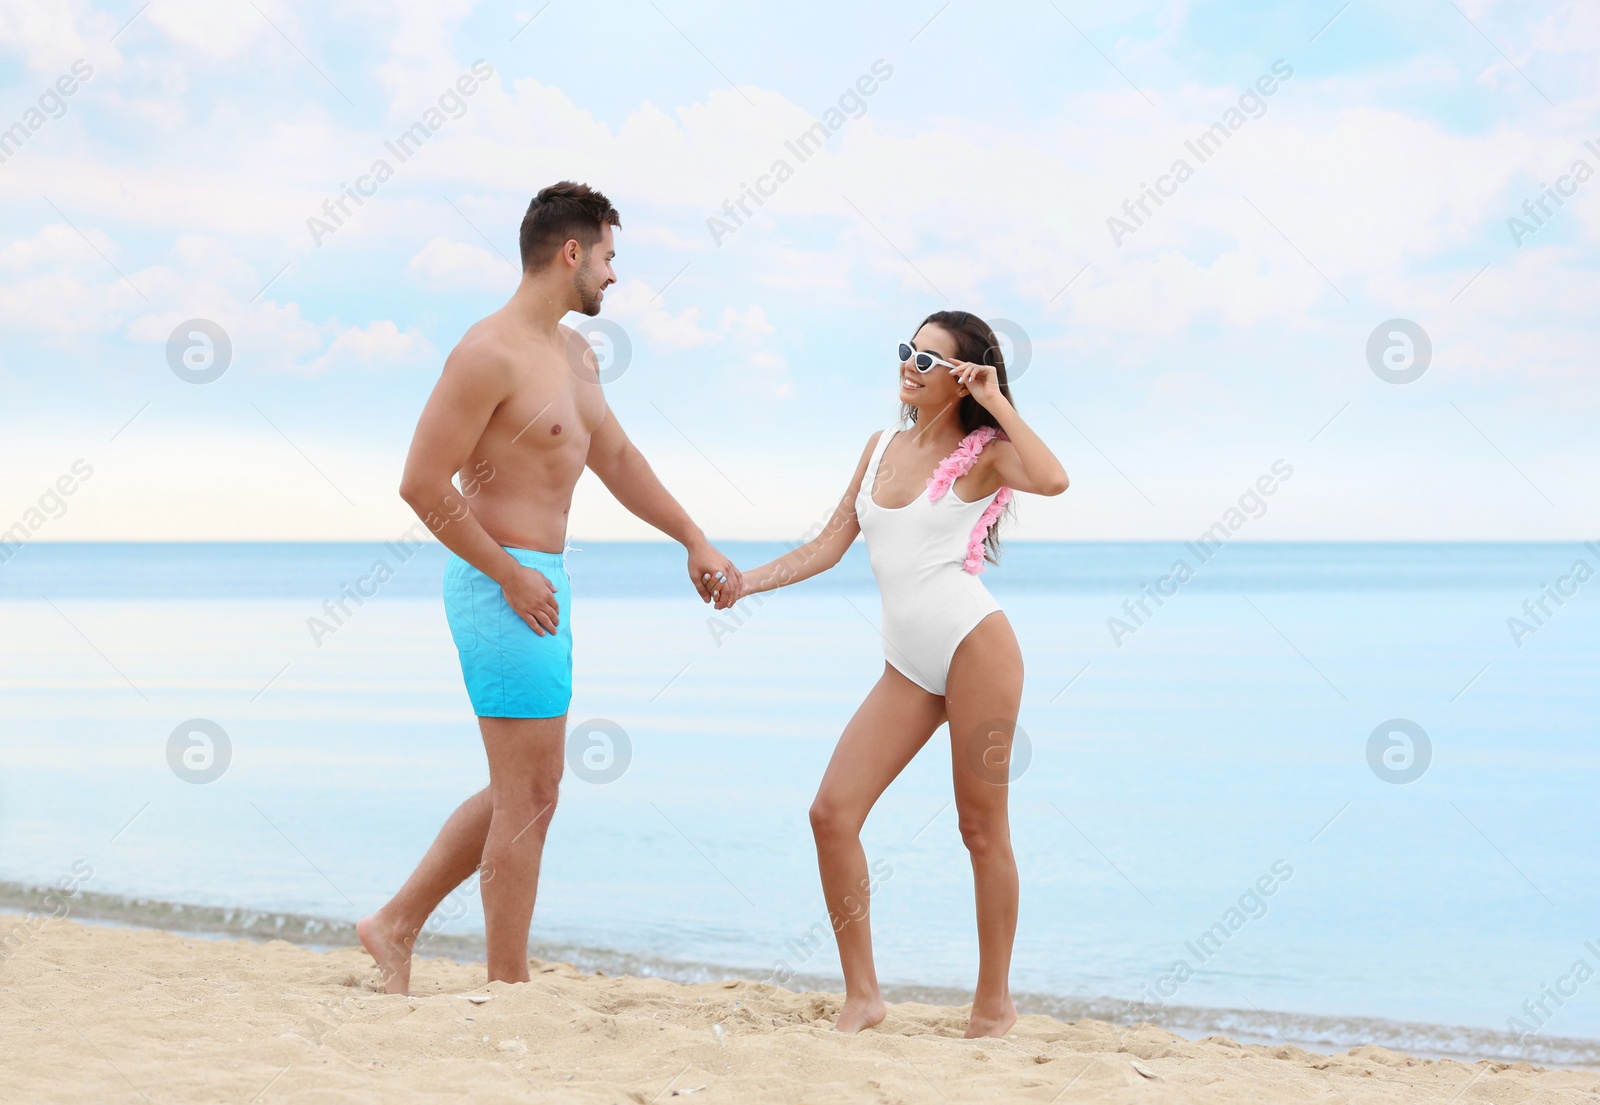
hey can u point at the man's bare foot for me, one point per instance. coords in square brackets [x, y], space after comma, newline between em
[859, 1013]
[997, 1024]
[390, 948]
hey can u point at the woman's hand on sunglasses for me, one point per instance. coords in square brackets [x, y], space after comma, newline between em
[979, 379]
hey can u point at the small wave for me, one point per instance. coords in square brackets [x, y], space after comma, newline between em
[1313, 1032]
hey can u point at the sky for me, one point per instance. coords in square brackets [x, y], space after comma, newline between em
[1351, 278]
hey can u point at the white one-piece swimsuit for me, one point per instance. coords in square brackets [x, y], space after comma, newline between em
[926, 557]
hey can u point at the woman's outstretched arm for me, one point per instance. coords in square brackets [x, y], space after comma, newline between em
[821, 552]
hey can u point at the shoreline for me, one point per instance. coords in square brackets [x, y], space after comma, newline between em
[94, 1012]
[1313, 1032]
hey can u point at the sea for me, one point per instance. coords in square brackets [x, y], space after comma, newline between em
[1325, 794]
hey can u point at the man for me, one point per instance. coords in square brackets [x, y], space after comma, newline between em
[518, 411]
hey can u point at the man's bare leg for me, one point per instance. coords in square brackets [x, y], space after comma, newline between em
[502, 828]
[389, 935]
[526, 757]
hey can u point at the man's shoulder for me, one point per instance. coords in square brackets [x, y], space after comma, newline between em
[484, 350]
[579, 353]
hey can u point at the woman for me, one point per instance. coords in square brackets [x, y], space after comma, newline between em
[927, 498]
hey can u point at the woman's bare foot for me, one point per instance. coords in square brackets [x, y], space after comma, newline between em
[996, 1024]
[859, 1013]
[390, 948]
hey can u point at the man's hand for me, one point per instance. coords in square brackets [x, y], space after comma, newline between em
[533, 597]
[714, 576]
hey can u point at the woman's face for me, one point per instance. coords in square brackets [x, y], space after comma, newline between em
[936, 389]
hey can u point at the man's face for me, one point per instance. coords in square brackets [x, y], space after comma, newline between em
[594, 273]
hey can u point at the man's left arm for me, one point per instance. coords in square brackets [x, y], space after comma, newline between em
[629, 477]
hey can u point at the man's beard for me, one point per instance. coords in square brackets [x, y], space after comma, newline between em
[588, 290]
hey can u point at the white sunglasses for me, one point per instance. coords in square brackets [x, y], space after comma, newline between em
[921, 360]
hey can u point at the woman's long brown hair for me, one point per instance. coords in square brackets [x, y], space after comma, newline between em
[977, 344]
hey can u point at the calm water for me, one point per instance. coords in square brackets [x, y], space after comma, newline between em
[1177, 766]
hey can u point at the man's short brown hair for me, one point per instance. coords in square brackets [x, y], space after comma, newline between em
[562, 213]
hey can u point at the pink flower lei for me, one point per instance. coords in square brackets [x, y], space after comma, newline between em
[952, 468]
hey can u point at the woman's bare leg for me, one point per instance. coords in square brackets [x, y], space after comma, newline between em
[888, 729]
[982, 694]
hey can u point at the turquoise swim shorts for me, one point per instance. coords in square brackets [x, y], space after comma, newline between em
[510, 670]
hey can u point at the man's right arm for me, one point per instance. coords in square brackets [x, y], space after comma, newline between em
[472, 385]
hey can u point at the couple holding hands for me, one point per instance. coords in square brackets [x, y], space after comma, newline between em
[521, 394]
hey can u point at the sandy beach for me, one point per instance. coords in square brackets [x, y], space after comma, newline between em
[108, 1014]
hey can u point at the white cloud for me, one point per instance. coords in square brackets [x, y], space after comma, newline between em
[380, 344]
[51, 36]
[633, 302]
[447, 265]
[199, 192]
[423, 59]
[216, 31]
[658, 234]
[53, 245]
[764, 374]
[63, 289]
[73, 297]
